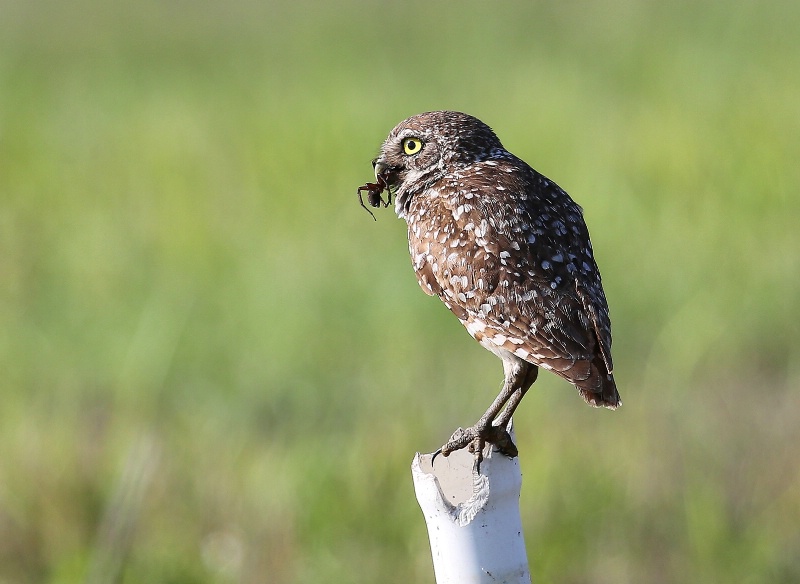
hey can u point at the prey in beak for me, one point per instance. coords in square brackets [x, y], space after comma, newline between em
[375, 190]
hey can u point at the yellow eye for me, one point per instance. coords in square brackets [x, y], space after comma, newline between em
[412, 145]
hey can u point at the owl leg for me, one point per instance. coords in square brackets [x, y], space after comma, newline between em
[519, 375]
[505, 417]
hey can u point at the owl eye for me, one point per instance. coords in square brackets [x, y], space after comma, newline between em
[412, 145]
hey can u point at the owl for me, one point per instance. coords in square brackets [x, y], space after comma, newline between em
[508, 252]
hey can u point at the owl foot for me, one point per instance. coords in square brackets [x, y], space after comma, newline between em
[475, 438]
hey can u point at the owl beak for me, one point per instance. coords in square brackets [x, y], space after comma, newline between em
[384, 173]
[380, 168]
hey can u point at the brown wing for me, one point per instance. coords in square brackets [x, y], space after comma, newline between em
[518, 273]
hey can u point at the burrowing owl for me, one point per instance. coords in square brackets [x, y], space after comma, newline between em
[508, 252]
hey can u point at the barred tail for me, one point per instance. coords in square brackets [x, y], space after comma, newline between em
[600, 390]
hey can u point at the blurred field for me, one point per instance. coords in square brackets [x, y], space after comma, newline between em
[216, 367]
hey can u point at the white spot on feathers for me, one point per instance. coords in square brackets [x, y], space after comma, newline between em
[475, 326]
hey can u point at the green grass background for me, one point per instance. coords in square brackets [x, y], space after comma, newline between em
[215, 367]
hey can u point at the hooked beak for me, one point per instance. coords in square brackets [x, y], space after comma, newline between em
[382, 170]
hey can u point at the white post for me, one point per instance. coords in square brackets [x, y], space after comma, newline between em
[473, 519]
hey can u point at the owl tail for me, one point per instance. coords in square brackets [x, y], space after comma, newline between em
[600, 390]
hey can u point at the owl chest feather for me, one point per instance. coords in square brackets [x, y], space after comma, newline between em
[460, 254]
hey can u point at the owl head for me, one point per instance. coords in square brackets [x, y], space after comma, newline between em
[425, 148]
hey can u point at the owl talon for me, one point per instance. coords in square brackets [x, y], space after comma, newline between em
[474, 439]
[460, 439]
[502, 441]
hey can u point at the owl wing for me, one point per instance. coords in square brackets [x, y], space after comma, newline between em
[517, 284]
